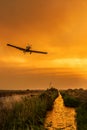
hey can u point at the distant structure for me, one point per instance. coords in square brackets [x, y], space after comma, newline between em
[51, 85]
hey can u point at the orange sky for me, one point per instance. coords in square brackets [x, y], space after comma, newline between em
[56, 26]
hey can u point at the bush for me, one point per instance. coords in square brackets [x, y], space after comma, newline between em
[78, 99]
[71, 101]
[82, 117]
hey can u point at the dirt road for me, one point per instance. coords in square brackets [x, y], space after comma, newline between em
[61, 117]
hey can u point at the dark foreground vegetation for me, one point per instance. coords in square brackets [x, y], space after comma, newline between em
[4, 93]
[29, 113]
[77, 98]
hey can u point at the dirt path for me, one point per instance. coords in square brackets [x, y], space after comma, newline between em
[61, 117]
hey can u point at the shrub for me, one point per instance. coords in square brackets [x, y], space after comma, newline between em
[71, 101]
[78, 99]
[81, 117]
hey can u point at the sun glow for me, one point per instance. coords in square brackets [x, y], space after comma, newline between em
[74, 63]
[58, 27]
[13, 60]
[71, 62]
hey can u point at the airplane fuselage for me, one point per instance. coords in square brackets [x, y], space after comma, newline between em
[27, 49]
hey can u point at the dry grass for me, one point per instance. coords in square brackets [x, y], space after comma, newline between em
[29, 113]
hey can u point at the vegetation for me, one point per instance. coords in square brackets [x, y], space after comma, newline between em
[4, 93]
[77, 98]
[69, 100]
[82, 117]
[29, 113]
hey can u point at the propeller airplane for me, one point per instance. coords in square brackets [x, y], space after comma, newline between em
[27, 49]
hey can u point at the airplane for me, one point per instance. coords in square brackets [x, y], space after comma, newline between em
[27, 49]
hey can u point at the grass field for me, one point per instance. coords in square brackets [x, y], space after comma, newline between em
[5, 93]
[29, 113]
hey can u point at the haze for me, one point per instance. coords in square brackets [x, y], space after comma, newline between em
[56, 26]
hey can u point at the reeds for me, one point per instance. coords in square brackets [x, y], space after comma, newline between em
[29, 113]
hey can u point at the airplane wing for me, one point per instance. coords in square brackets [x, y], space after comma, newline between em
[33, 51]
[22, 49]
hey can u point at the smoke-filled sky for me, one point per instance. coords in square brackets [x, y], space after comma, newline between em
[56, 26]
